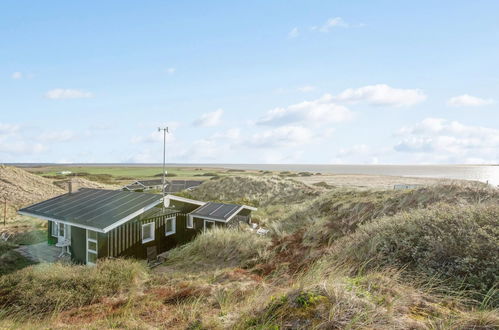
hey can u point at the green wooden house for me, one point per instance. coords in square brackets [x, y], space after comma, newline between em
[95, 223]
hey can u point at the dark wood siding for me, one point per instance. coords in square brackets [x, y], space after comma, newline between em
[126, 240]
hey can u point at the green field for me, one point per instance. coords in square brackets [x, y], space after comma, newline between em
[120, 173]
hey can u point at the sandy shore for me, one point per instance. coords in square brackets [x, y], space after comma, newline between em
[363, 181]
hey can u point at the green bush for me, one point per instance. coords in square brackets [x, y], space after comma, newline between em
[45, 288]
[459, 244]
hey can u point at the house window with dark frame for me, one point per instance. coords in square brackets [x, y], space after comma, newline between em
[148, 232]
[189, 221]
[55, 229]
[170, 226]
[61, 230]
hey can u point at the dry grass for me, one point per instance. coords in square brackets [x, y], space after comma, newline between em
[340, 212]
[335, 261]
[23, 188]
[42, 289]
[459, 245]
[251, 190]
[219, 248]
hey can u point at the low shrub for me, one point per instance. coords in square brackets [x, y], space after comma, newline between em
[341, 211]
[220, 247]
[6, 246]
[39, 290]
[457, 244]
[305, 174]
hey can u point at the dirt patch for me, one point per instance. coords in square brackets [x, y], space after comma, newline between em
[175, 295]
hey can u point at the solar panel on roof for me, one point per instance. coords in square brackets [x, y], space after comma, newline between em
[216, 210]
[97, 208]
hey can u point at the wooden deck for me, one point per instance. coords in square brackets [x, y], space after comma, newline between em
[41, 252]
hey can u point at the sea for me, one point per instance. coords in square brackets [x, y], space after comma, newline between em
[483, 173]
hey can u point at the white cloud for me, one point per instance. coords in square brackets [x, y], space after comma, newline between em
[209, 119]
[57, 136]
[13, 143]
[171, 70]
[61, 93]
[17, 75]
[21, 147]
[336, 22]
[231, 134]
[383, 95]
[153, 137]
[359, 154]
[8, 128]
[467, 100]
[283, 136]
[295, 32]
[441, 140]
[306, 89]
[309, 113]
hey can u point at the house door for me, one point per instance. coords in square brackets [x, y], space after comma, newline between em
[208, 224]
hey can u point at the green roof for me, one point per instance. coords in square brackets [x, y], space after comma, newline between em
[95, 209]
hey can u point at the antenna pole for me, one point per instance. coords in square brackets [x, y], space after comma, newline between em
[165, 130]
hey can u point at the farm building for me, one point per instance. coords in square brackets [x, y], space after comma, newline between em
[95, 223]
[171, 186]
[144, 185]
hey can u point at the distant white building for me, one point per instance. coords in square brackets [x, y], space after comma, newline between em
[64, 173]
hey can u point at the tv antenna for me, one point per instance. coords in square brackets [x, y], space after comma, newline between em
[165, 130]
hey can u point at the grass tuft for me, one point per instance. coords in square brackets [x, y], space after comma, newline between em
[458, 244]
[40, 290]
[220, 247]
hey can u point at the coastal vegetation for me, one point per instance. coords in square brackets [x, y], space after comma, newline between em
[334, 258]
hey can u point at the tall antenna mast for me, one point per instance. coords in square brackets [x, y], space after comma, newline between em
[165, 130]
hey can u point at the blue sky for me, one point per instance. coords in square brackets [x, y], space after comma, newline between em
[389, 82]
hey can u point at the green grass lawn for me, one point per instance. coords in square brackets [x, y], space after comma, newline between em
[139, 172]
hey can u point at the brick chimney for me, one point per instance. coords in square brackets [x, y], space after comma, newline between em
[70, 186]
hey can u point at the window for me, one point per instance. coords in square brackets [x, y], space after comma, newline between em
[208, 224]
[55, 229]
[91, 247]
[61, 230]
[190, 221]
[170, 226]
[148, 232]
[92, 234]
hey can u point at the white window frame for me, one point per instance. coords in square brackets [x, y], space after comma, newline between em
[89, 250]
[150, 239]
[174, 226]
[206, 221]
[189, 221]
[54, 229]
